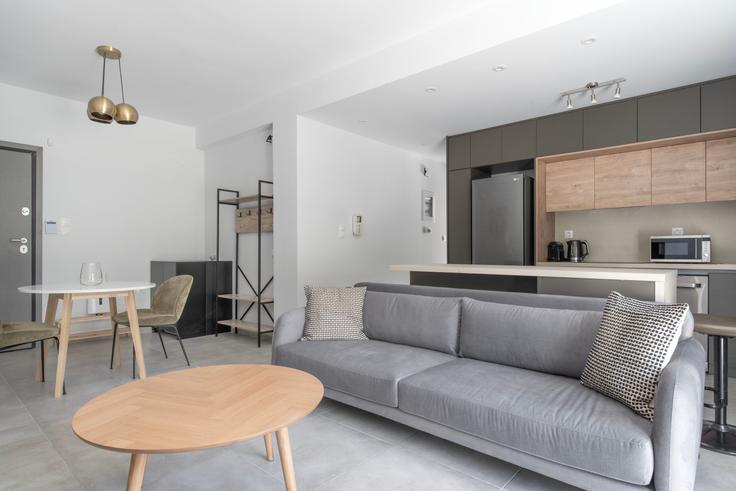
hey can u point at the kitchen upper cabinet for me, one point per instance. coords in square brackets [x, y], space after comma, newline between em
[485, 147]
[720, 169]
[458, 217]
[623, 179]
[519, 141]
[678, 174]
[560, 133]
[610, 124]
[671, 113]
[718, 105]
[570, 185]
[458, 152]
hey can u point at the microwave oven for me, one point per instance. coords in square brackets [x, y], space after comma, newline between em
[680, 249]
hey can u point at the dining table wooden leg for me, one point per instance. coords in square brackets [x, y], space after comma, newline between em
[113, 312]
[136, 471]
[287, 464]
[66, 320]
[135, 333]
[49, 320]
[269, 446]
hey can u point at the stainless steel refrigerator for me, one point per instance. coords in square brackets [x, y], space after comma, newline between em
[503, 220]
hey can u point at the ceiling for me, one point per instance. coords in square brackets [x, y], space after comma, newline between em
[188, 61]
[655, 45]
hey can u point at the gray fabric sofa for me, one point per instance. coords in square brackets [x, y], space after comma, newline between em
[498, 372]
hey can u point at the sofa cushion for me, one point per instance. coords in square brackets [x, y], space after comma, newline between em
[549, 340]
[370, 370]
[548, 416]
[424, 322]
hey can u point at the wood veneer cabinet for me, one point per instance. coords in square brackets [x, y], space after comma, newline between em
[623, 179]
[678, 174]
[721, 169]
[570, 185]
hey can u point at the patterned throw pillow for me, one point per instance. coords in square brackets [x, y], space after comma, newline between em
[334, 313]
[634, 343]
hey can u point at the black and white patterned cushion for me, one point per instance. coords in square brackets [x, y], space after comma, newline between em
[334, 313]
[634, 343]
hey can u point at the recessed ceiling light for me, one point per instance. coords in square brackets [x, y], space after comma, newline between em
[589, 41]
[430, 90]
[499, 68]
[362, 121]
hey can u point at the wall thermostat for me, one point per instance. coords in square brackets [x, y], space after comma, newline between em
[357, 225]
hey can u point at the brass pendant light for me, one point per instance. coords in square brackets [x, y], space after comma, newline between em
[100, 109]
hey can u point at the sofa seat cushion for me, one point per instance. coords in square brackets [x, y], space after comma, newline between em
[548, 416]
[370, 370]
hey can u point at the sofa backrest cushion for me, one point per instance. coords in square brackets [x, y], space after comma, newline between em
[424, 322]
[547, 340]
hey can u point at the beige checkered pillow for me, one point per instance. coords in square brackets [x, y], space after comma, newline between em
[334, 313]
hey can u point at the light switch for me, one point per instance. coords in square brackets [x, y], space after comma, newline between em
[51, 227]
[678, 231]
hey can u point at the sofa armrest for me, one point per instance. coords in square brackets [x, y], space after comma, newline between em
[288, 329]
[678, 418]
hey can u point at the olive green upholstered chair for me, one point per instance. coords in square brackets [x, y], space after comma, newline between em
[167, 306]
[15, 335]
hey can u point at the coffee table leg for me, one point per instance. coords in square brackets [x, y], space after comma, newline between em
[287, 465]
[269, 446]
[135, 474]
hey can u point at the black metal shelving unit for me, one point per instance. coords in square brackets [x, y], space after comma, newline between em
[256, 297]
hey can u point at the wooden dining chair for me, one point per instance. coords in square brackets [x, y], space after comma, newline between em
[167, 306]
[15, 335]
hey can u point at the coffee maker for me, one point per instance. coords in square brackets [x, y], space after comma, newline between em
[555, 252]
[577, 250]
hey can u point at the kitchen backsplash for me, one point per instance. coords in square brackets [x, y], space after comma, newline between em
[622, 234]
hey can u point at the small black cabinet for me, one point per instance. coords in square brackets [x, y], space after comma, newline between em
[459, 217]
[609, 124]
[718, 104]
[458, 152]
[671, 113]
[485, 147]
[560, 133]
[203, 308]
[519, 141]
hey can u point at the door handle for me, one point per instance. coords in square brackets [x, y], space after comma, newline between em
[20, 240]
[690, 285]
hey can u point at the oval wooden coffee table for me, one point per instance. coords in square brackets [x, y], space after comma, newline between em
[200, 408]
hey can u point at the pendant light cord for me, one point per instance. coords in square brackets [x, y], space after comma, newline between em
[120, 70]
[104, 63]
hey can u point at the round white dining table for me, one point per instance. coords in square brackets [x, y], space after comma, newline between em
[68, 293]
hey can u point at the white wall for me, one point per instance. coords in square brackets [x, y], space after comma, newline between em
[132, 193]
[238, 163]
[342, 173]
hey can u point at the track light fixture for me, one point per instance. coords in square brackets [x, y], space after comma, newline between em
[100, 109]
[592, 87]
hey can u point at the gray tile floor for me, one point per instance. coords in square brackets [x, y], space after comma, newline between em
[335, 448]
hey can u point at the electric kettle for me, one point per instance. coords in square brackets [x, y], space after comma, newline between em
[577, 250]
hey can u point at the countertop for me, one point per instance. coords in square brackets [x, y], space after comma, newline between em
[676, 266]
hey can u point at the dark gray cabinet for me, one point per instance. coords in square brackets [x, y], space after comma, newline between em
[458, 217]
[458, 152]
[671, 113]
[485, 147]
[519, 141]
[609, 124]
[203, 307]
[722, 301]
[560, 133]
[718, 105]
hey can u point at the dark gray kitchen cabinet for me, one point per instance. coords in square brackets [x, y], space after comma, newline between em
[609, 124]
[458, 152]
[560, 133]
[722, 301]
[519, 141]
[718, 105]
[458, 217]
[485, 147]
[671, 113]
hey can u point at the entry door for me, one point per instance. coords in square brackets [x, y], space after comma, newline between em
[16, 234]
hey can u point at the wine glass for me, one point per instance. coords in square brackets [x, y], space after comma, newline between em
[91, 274]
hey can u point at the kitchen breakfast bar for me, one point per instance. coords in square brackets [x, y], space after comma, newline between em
[647, 284]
